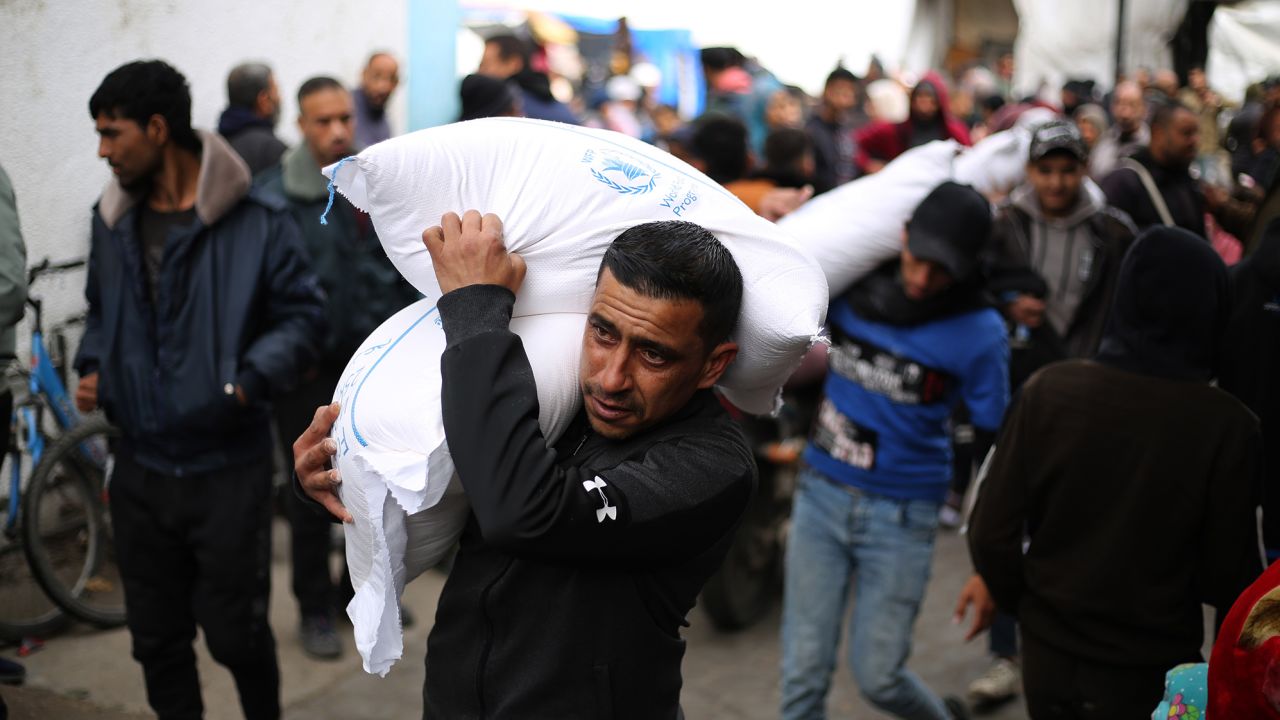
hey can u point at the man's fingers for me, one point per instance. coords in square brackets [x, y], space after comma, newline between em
[492, 223]
[452, 226]
[519, 268]
[321, 423]
[471, 222]
[336, 508]
[433, 238]
[982, 617]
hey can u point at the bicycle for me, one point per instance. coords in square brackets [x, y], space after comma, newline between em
[25, 609]
[64, 521]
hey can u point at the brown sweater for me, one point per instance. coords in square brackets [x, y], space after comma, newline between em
[1138, 495]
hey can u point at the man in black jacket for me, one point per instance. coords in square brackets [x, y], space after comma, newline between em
[201, 306]
[249, 122]
[1154, 186]
[1122, 494]
[580, 561]
[362, 289]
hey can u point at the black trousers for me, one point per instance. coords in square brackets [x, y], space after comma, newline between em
[196, 550]
[1058, 685]
[309, 542]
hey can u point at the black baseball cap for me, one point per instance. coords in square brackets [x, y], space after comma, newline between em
[1058, 136]
[950, 227]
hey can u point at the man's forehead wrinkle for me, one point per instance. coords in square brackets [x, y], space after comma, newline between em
[624, 318]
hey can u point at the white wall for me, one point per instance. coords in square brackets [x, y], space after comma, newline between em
[56, 52]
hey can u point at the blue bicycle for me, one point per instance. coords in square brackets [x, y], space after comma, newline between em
[59, 517]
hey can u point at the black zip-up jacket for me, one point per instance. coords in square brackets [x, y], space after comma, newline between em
[1180, 191]
[580, 562]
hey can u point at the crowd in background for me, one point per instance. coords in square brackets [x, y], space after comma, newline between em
[1155, 151]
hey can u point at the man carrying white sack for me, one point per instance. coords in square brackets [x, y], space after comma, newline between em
[911, 339]
[579, 562]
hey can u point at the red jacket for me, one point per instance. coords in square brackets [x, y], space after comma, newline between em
[885, 141]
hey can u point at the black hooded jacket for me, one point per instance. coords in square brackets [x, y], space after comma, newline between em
[580, 561]
[1251, 357]
[1134, 479]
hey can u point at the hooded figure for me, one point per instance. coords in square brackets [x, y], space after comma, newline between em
[881, 142]
[1250, 355]
[1168, 320]
[1122, 493]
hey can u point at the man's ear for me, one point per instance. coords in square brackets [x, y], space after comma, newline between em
[157, 129]
[719, 360]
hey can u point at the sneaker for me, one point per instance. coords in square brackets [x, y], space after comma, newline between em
[319, 639]
[949, 517]
[999, 683]
[956, 708]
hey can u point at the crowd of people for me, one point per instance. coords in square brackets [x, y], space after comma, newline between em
[1082, 332]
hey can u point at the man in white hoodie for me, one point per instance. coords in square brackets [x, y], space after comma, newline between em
[1053, 261]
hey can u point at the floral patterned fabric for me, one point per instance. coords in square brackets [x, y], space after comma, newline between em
[1185, 693]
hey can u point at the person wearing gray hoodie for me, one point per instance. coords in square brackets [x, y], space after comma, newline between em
[1056, 248]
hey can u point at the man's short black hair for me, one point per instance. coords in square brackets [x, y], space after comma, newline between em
[720, 142]
[245, 82]
[510, 46]
[678, 260]
[1165, 112]
[138, 90]
[841, 73]
[316, 84]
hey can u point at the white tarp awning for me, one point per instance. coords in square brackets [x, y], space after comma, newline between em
[1244, 46]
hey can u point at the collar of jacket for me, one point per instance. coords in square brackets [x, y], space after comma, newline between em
[223, 182]
[301, 176]
[1090, 202]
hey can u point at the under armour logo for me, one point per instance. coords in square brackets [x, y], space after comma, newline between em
[608, 511]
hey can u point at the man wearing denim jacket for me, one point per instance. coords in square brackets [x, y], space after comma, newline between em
[909, 341]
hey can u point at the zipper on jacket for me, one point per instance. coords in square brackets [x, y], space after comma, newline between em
[581, 442]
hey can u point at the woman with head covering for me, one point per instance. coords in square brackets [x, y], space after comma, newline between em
[1132, 482]
[1092, 121]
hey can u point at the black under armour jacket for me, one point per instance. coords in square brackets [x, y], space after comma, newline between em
[579, 562]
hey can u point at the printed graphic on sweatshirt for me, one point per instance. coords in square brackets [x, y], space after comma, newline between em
[840, 437]
[884, 373]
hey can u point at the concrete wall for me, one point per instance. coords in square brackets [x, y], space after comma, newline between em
[56, 52]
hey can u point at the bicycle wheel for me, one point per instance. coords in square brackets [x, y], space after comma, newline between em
[25, 609]
[67, 526]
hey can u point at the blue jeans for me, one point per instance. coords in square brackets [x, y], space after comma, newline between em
[884, 547]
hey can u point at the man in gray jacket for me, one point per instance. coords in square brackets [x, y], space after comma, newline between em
[13, 295]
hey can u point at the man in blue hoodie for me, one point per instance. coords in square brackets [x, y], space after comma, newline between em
[911, 340]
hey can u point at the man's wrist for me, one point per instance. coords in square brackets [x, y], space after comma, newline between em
[474, 309]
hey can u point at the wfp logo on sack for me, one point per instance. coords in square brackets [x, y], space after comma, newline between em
[625, 173]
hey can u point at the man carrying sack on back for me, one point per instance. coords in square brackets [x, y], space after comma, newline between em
[579, 562]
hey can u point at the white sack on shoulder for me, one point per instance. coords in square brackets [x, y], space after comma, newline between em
[398, 480]
[564, 193]
[852, 229]
[998, 163]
